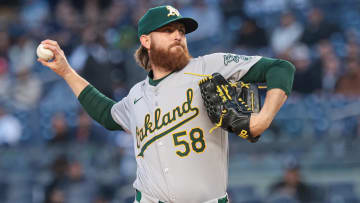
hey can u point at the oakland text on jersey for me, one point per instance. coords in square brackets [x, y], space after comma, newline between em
[161, 121]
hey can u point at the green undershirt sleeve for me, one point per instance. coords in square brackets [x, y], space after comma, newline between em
[276, 73]
[98, 106]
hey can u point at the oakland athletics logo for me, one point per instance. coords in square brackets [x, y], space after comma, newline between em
[172, 11]
[228, 58]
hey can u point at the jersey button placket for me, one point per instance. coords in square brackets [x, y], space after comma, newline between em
[156, 93]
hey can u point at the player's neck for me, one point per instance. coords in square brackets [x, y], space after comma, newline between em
[159, 73]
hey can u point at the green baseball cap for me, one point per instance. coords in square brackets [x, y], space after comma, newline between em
[160, 16]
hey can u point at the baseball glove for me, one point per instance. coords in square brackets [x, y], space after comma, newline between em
[229, 105]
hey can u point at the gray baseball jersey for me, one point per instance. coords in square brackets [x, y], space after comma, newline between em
[178, 160]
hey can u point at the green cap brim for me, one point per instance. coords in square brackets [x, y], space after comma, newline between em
[190, 25]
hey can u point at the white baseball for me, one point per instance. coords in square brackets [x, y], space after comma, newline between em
[44, 53]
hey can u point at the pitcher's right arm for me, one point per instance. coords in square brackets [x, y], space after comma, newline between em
[97, 105]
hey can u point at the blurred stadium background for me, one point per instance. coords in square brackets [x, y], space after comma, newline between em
[52, 152]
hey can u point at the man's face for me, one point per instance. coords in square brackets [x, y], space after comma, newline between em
[168, 48]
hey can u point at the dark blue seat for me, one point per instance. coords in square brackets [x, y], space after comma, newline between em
[279, 198]
[243, 194]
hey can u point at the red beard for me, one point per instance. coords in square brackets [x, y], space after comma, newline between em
[175, 58]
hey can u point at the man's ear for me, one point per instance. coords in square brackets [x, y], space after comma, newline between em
[145, 41]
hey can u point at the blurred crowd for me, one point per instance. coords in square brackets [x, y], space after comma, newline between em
[321, 38]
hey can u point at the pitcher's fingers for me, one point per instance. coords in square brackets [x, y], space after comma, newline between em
[52, 42]
[54, 49]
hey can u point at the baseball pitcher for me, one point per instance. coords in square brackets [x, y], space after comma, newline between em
[180, 129]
